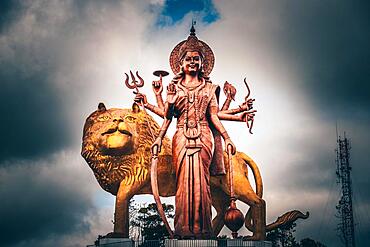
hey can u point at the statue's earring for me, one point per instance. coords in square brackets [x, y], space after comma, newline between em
[202, 68]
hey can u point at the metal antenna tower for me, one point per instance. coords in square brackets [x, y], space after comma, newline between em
[344, 207]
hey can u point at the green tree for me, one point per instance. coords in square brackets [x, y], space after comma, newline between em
[307, 242]
[150, 223]
[283, 236]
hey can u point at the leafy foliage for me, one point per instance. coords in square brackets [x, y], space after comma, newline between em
[307, 242]
[150, 223]
[283, 237]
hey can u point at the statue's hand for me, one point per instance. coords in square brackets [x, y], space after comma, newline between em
[140, 98]
[157, 87]
[247, 116]
[247, 104]
[157, 146]
[230, 91]
[171, 93]
[230, 144]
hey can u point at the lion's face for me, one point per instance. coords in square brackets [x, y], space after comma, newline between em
[116, 132]
[113, 131]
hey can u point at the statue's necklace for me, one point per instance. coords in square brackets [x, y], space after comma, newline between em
[191, 96]
[193, 91]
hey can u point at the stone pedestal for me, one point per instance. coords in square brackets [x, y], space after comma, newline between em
[190, 243]
[116, 242]
[241, 243]
[216, 243]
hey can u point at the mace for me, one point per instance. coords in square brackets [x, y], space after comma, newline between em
[234, 218]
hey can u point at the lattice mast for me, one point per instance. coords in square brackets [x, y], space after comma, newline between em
[344, 207]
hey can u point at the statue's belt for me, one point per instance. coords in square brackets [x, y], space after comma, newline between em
[182, 124]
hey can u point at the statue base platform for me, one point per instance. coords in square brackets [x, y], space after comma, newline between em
[216, 243]
[190, 243]
[243, 243]
[116, 242]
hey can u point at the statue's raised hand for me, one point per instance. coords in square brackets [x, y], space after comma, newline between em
[247, 104]
[229, 91]
[171, 93]
[157, 86]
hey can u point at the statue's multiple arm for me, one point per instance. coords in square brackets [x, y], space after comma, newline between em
[226, 104]
[230, 92]
[154, 109]
[230, 114]
[238, 118]
[158, 89]
[168, 113]
[157, 144]
[225, 114]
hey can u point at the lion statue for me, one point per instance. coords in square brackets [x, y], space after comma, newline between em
[116, 145]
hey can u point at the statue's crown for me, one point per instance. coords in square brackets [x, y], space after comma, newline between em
[192, 43]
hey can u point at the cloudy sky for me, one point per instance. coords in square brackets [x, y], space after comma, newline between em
[308, 64]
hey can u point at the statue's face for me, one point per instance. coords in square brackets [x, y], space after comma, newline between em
[192, 62]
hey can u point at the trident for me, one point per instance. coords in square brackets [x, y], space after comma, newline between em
[134, 84]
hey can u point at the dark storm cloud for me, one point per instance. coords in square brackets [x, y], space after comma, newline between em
[8, 12]
[330, 42]
[46, 193]
[42, 72]
[42, 202]
[34, 37]
[33, 120]
[325, 47]
[32, 117]
[44, 198]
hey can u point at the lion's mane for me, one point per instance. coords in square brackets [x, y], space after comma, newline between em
[111, 170]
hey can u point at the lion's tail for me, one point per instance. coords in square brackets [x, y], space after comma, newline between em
[259, 187]
[287, 219]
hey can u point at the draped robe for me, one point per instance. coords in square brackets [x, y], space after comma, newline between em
[192, 157]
